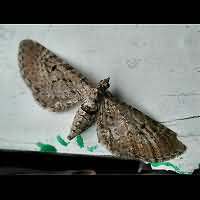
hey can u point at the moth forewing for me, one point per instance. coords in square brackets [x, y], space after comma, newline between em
[55, 84]
[128, 133]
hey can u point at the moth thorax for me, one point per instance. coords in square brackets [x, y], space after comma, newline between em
[90, 104]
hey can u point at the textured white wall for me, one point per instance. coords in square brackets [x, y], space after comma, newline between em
[155, 68]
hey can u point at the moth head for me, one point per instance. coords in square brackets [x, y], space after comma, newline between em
[103, 84]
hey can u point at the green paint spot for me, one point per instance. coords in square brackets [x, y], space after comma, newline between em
[168, 164]
[61, 141]
[92, 148]
[79, 141]
[46, 147]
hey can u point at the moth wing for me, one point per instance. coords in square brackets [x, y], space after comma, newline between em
[54, 84]
[130, 134]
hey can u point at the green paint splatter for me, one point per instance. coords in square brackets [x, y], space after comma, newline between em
[168, 164]
[46, 147]
[61, 141]
[79, 141]
[92, 148]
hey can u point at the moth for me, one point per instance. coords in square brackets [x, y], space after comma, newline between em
[125, 131]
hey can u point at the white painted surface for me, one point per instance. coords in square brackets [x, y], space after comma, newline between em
[155, 68]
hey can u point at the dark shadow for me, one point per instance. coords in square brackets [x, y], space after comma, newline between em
[130, 102]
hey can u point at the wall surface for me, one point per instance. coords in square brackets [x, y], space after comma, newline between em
[155, 68]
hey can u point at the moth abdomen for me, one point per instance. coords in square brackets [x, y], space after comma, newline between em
[81, 122]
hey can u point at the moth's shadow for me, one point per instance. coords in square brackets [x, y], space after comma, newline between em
[116, 92]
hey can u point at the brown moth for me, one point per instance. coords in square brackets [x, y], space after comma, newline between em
[125, 131]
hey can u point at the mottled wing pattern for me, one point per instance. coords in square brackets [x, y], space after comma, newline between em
[130, 134]
[54, 84]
